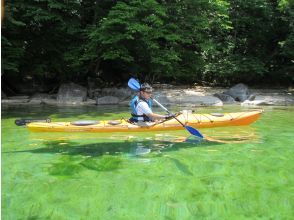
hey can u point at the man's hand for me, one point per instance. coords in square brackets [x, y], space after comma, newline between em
[169, 116]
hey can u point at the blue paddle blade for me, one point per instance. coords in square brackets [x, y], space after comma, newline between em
[134, 84]
[194, 131]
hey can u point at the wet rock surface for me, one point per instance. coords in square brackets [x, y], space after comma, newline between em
[73, 94]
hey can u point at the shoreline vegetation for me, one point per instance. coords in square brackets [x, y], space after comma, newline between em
[223, 43]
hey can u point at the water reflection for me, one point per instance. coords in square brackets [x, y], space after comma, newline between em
[140, 144]
[74, 153]
[102, 147]
[245, 134]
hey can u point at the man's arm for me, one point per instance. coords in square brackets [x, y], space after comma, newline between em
[143, 106]
[154, 116]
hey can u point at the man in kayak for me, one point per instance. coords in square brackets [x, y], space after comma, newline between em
[141, 106]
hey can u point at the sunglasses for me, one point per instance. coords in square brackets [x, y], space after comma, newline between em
[148, 92]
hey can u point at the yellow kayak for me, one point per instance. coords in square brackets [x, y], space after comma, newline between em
[193, 120]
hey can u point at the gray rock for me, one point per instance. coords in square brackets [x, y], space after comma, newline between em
[94, 93]
[177, 96]
[40, 98]
[206, 101]
[251, 97]
[239, 92]
[14, 101]
[52, 102]
[121, 93]
[186, 98]
[35, 101]
[19, 97]
[124, 103]
[90, 102]
[193, 100]
[225, 98]
[271, 98]
[71, 93]
[107, 100]
[256, 103]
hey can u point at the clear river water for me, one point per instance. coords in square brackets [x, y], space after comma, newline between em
[237, 173]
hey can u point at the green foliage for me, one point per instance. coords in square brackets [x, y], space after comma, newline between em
[286, 45]
[11, 42]
[40, 36]
[135, 37]
[253, 52]
[221, 41]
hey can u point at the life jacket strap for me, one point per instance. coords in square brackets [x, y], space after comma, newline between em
[135, 117]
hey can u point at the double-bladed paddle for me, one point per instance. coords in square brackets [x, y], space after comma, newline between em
[135, 85]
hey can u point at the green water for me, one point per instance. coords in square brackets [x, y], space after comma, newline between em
[242, 173]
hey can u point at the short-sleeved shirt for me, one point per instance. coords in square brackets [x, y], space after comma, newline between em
[143, 108]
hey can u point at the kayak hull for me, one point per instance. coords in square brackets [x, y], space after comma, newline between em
[193, 120]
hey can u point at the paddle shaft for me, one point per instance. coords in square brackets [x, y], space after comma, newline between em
[165, 109]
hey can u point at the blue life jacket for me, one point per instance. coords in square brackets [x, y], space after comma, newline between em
[133, 103]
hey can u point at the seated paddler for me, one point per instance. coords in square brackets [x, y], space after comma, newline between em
[141, 106]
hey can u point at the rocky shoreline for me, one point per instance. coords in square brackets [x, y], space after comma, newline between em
[240, 94]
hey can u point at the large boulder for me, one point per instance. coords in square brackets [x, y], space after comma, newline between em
[71, 93]
[225, 98]
[239, 92]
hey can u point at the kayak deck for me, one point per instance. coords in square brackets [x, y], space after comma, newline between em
[193, 120]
